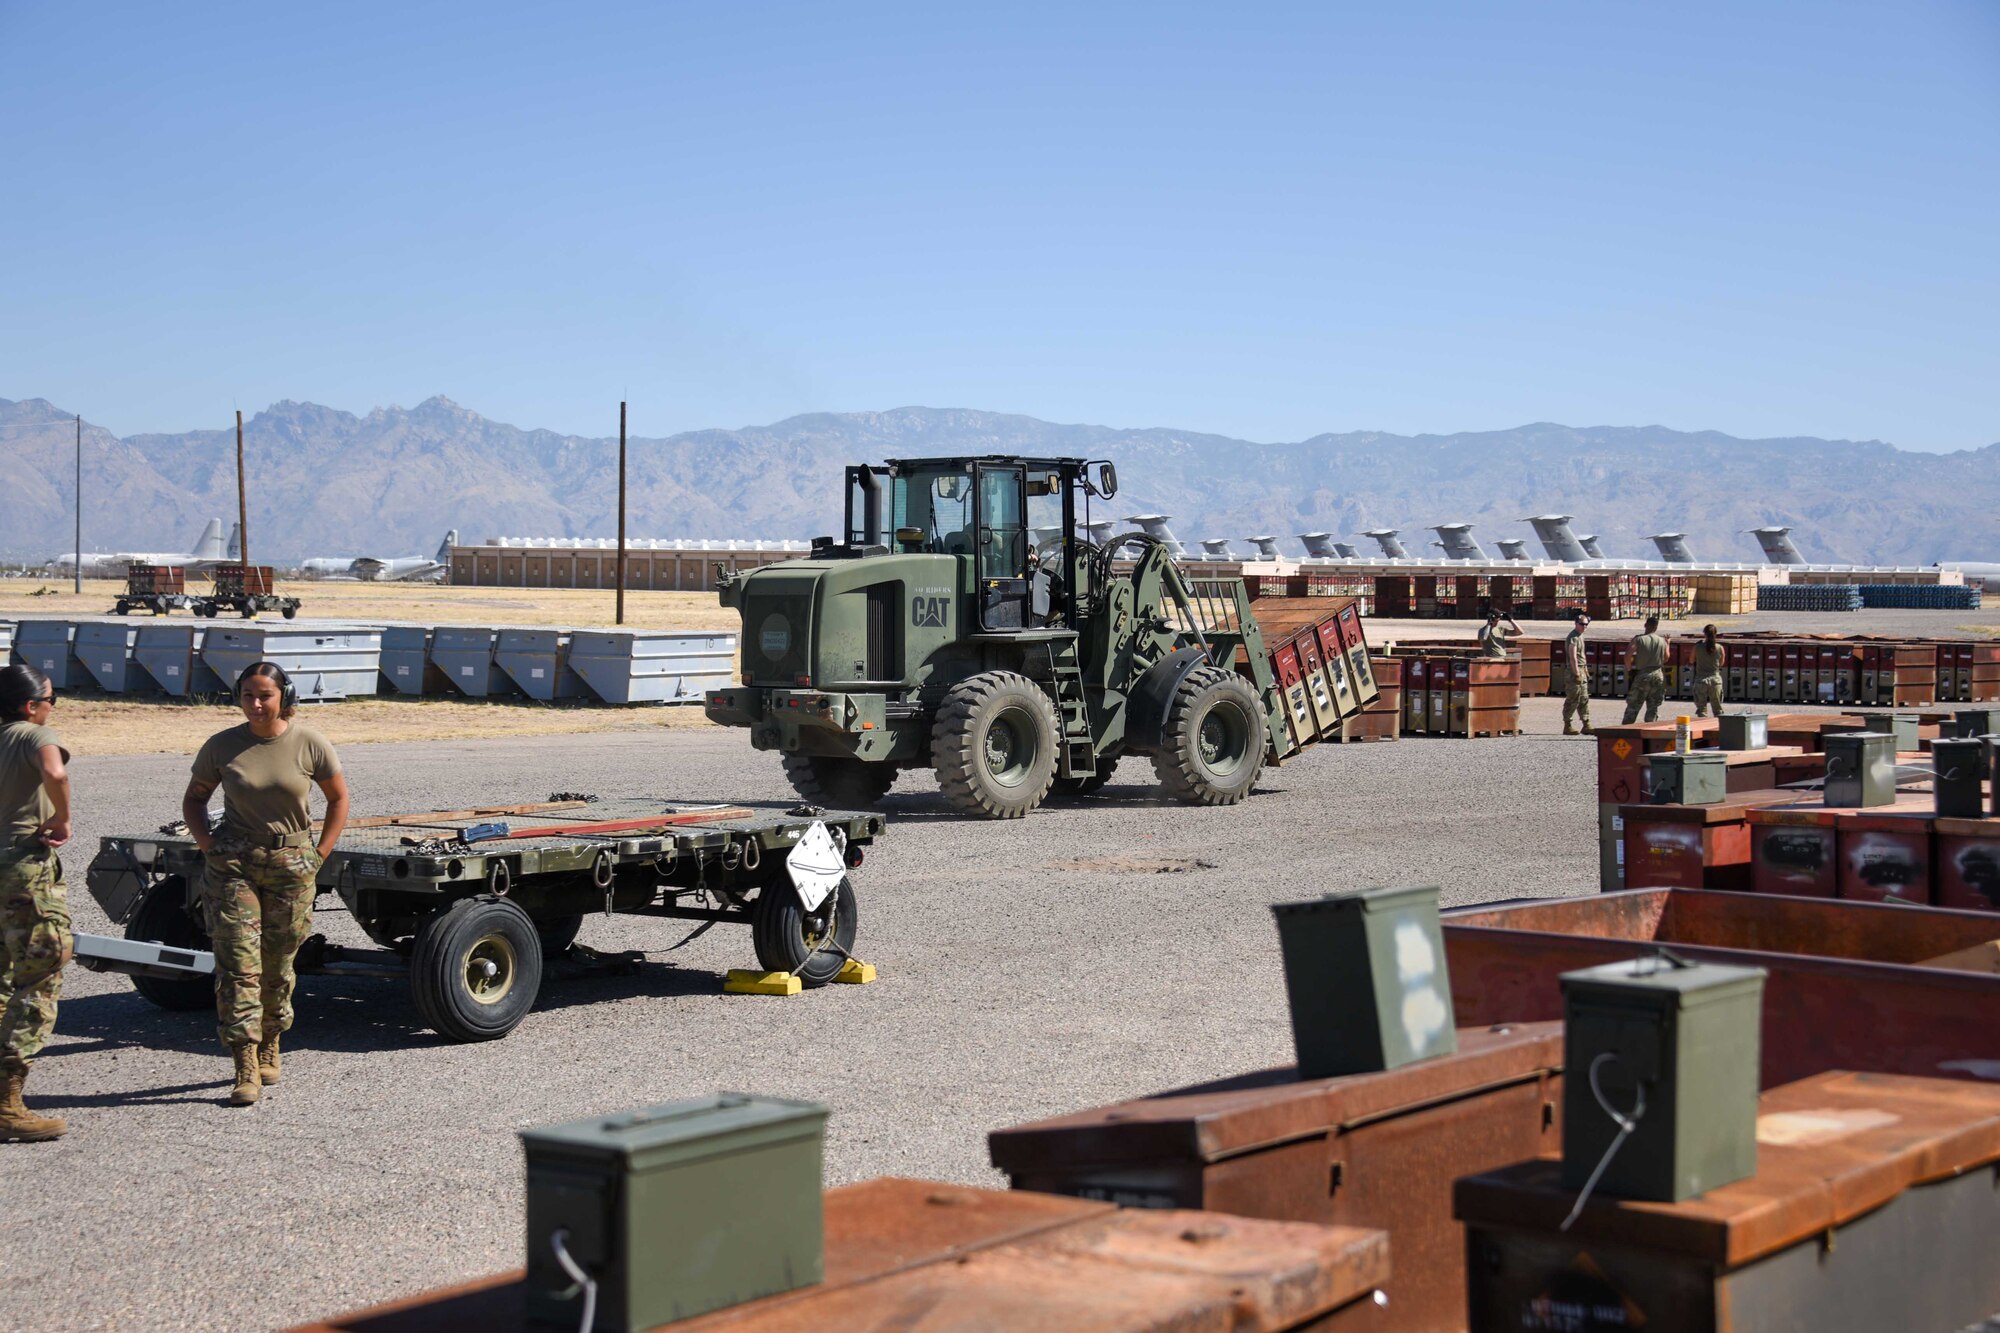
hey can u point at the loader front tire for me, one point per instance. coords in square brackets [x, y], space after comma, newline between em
[994, 745]
[1212, 748]
[839, 784]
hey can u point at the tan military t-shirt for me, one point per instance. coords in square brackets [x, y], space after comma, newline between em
[1707, 660]
[265, 782]
[1494, 640]
[24, 802]
[1649, 653]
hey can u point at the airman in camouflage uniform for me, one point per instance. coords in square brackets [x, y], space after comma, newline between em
[1709, 657]
[1576, 687]
[260, 865]
[35, 938]
[1649, 674]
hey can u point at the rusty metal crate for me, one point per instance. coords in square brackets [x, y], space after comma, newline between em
[1376, 1150]
[902, 1254]
[1850, 984]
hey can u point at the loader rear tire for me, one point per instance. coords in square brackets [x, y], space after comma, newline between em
[994, 745]
[840, 784]
[1213, 744]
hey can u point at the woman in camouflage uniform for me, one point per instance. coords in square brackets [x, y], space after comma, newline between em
[34, 914]
[257, 883]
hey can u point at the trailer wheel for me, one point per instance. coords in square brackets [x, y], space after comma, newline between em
[1212, 747]
[1107, 764]
[842, 784]
[994, 745]
[475, 969]
[163, 918]
[788, 938]
[289, 612]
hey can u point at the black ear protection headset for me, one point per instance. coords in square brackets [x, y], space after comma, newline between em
[288, 693]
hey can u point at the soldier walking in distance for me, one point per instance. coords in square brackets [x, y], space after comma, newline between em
[1495, 641]
[34, 911]
[1709, 659]
[1576, 689]
[257, 881]
[1649, 673]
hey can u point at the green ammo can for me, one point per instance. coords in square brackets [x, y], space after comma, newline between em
[1860, 769]
[1674, 1048]
[1905, 727]
[1698, 777]
[1365, 973]
[676, 1209]
[1744, 731]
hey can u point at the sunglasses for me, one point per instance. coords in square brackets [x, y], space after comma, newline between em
[49, 698]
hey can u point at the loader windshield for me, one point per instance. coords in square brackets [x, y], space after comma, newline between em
[937, 502]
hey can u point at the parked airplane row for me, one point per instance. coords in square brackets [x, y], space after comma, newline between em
[210, 550]
[1456, 542]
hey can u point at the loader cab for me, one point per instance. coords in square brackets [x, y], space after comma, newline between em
[987, 512]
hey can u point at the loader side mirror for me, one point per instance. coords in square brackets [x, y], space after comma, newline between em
[1107, 480]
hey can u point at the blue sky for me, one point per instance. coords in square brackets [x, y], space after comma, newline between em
[1266, 221]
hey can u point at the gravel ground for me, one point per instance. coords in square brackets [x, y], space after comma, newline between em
[1026, 969]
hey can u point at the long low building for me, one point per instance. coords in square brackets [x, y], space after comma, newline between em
[661, 565]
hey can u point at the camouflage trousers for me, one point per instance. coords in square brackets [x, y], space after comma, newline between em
[1649, 689]
[34, 944]
[1576, 704]
[1707, 695]
[258, 904]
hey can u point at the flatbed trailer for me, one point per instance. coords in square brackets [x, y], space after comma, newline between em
[468, 904]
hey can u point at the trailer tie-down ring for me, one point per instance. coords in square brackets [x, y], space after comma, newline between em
[668, 859]
[498, 878]
[753, 854]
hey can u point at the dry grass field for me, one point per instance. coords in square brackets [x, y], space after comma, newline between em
[106, 726]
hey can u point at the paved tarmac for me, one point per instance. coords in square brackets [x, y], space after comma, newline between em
[1011, 988]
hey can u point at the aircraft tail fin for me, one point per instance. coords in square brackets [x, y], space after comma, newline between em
[209, 545]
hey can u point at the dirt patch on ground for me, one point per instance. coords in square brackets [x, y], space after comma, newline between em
[1133, 865]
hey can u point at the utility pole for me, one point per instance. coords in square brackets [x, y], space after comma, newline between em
[621, 513]
[79, 505]
[242, 502]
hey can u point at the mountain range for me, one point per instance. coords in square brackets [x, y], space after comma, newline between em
[328, 482]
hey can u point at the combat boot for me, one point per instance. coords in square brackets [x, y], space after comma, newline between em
[17, 1123]
[249, 1086]
[1569, 731]
[269, 1066]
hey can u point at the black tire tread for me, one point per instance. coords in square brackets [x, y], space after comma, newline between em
[427, 973]
[1174, 761]
[952, 753]
[778, 941]
[157, 918]
[839, 784]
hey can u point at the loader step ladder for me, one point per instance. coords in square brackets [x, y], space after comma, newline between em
[1079, 754]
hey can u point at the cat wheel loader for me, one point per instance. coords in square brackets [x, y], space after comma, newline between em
[964, 625]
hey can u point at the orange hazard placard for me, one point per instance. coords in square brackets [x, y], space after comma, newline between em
[1622, 748]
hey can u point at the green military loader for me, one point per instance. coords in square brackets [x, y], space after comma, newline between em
[963, 625]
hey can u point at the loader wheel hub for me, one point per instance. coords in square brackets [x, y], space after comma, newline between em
[1220, 741]
[1009, 752]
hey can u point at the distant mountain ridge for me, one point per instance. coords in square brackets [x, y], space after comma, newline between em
[328, 482]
